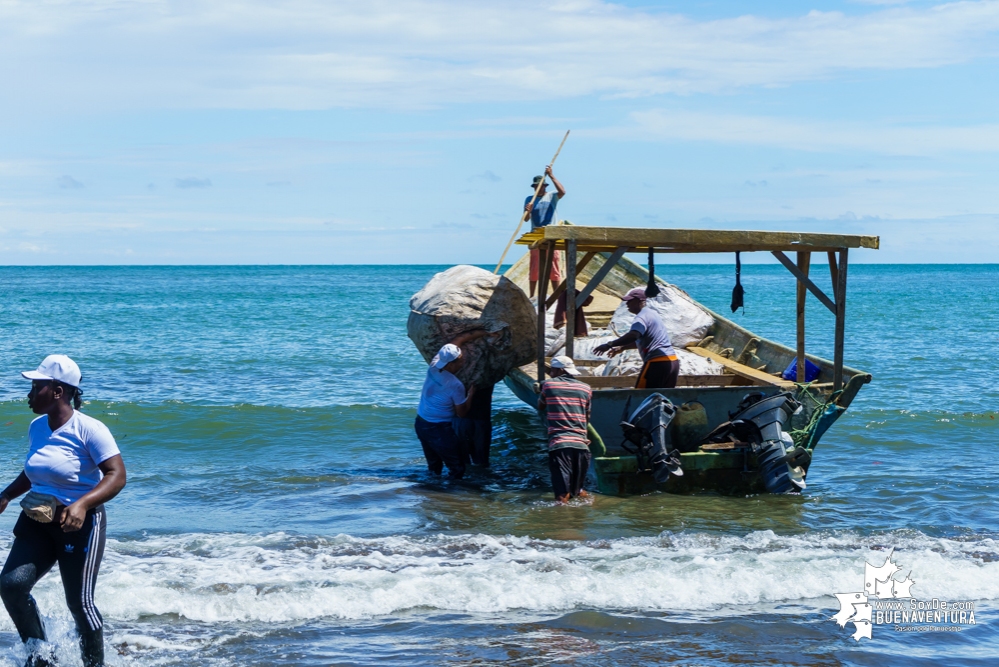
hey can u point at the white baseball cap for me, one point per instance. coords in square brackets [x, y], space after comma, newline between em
[566, 364]
[56, 367]
[447, 354]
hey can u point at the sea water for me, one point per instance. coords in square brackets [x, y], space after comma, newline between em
[278, 510]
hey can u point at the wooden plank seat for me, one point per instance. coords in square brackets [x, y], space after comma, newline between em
[760, 377]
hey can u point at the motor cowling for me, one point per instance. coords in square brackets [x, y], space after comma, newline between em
[779, 468]
[648, 429]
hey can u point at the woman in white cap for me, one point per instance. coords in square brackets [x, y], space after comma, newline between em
[443, 398]
[73, 467]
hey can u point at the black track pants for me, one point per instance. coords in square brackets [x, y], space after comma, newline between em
[39, 546]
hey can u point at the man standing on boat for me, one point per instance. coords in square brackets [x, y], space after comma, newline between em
[543, 214]
[566, 404]
[649, 335]
[442, 399]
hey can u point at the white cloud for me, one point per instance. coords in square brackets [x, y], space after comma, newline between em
[308, 54]
[806, 135]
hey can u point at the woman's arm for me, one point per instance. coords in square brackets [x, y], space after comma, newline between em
[19, 486]
[109, 487]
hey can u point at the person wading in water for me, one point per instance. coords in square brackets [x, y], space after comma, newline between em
[73, 467]
[442, 399]
[565, 402]
[648, 333]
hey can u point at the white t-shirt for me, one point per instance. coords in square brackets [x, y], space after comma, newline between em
[441, 392]
[63, 463]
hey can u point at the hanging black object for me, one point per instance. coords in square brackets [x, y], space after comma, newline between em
[652, 290]
[737, 291]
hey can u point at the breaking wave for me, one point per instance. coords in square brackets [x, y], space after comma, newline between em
[282, 577]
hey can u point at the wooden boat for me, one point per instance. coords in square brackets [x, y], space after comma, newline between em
[595, 262]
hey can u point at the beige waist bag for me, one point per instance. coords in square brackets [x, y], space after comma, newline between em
[40, 506]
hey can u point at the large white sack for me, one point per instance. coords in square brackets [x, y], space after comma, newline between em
[629, 362]
[685, 321]
[464, 298]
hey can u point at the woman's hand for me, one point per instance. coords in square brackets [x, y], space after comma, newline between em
[4, 501]
[614, 351]
[72, 517]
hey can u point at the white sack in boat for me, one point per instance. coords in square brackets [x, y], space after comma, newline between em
[686, 323]
[554, 338]
[583, 347]
[629, 362]
[465, 298]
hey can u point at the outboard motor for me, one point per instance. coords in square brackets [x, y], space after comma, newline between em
[648, 429]
[780, 469]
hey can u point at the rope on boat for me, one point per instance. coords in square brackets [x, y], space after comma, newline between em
[803, 437]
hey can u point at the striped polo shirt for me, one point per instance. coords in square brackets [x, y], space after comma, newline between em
[567, 404]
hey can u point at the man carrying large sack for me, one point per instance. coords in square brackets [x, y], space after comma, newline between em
[442, 399]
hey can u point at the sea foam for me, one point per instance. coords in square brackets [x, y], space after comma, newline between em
[282, 577]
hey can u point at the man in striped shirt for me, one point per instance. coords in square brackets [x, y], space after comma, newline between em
[566, 402]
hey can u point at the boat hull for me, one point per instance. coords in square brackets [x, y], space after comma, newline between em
[729, 472]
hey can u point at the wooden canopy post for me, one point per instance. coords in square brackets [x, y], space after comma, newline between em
[570, 298]
[545, 260]
[804, 261]
[840, 319]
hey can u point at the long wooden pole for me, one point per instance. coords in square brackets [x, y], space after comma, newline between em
[804, 261]
[524, 217]
[840, 320]
[570, 298]
[547, 252]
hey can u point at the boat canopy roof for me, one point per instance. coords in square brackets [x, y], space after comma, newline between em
[604, 239]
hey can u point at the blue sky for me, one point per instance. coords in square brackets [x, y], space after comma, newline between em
[407, 132]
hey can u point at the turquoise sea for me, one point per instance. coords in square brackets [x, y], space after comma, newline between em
[278, 512]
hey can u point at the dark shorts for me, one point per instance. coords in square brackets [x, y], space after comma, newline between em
[569, 467]
[659, 373]
[440, 447]
[476, 436]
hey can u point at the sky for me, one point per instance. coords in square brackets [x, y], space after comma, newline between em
[302, 132]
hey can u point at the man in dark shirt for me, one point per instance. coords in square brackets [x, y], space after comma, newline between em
[660, 367]
[475, 429]
[566, 403]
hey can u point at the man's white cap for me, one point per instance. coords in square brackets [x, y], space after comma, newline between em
[447, 354]
[566, 364]
[56, 367]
